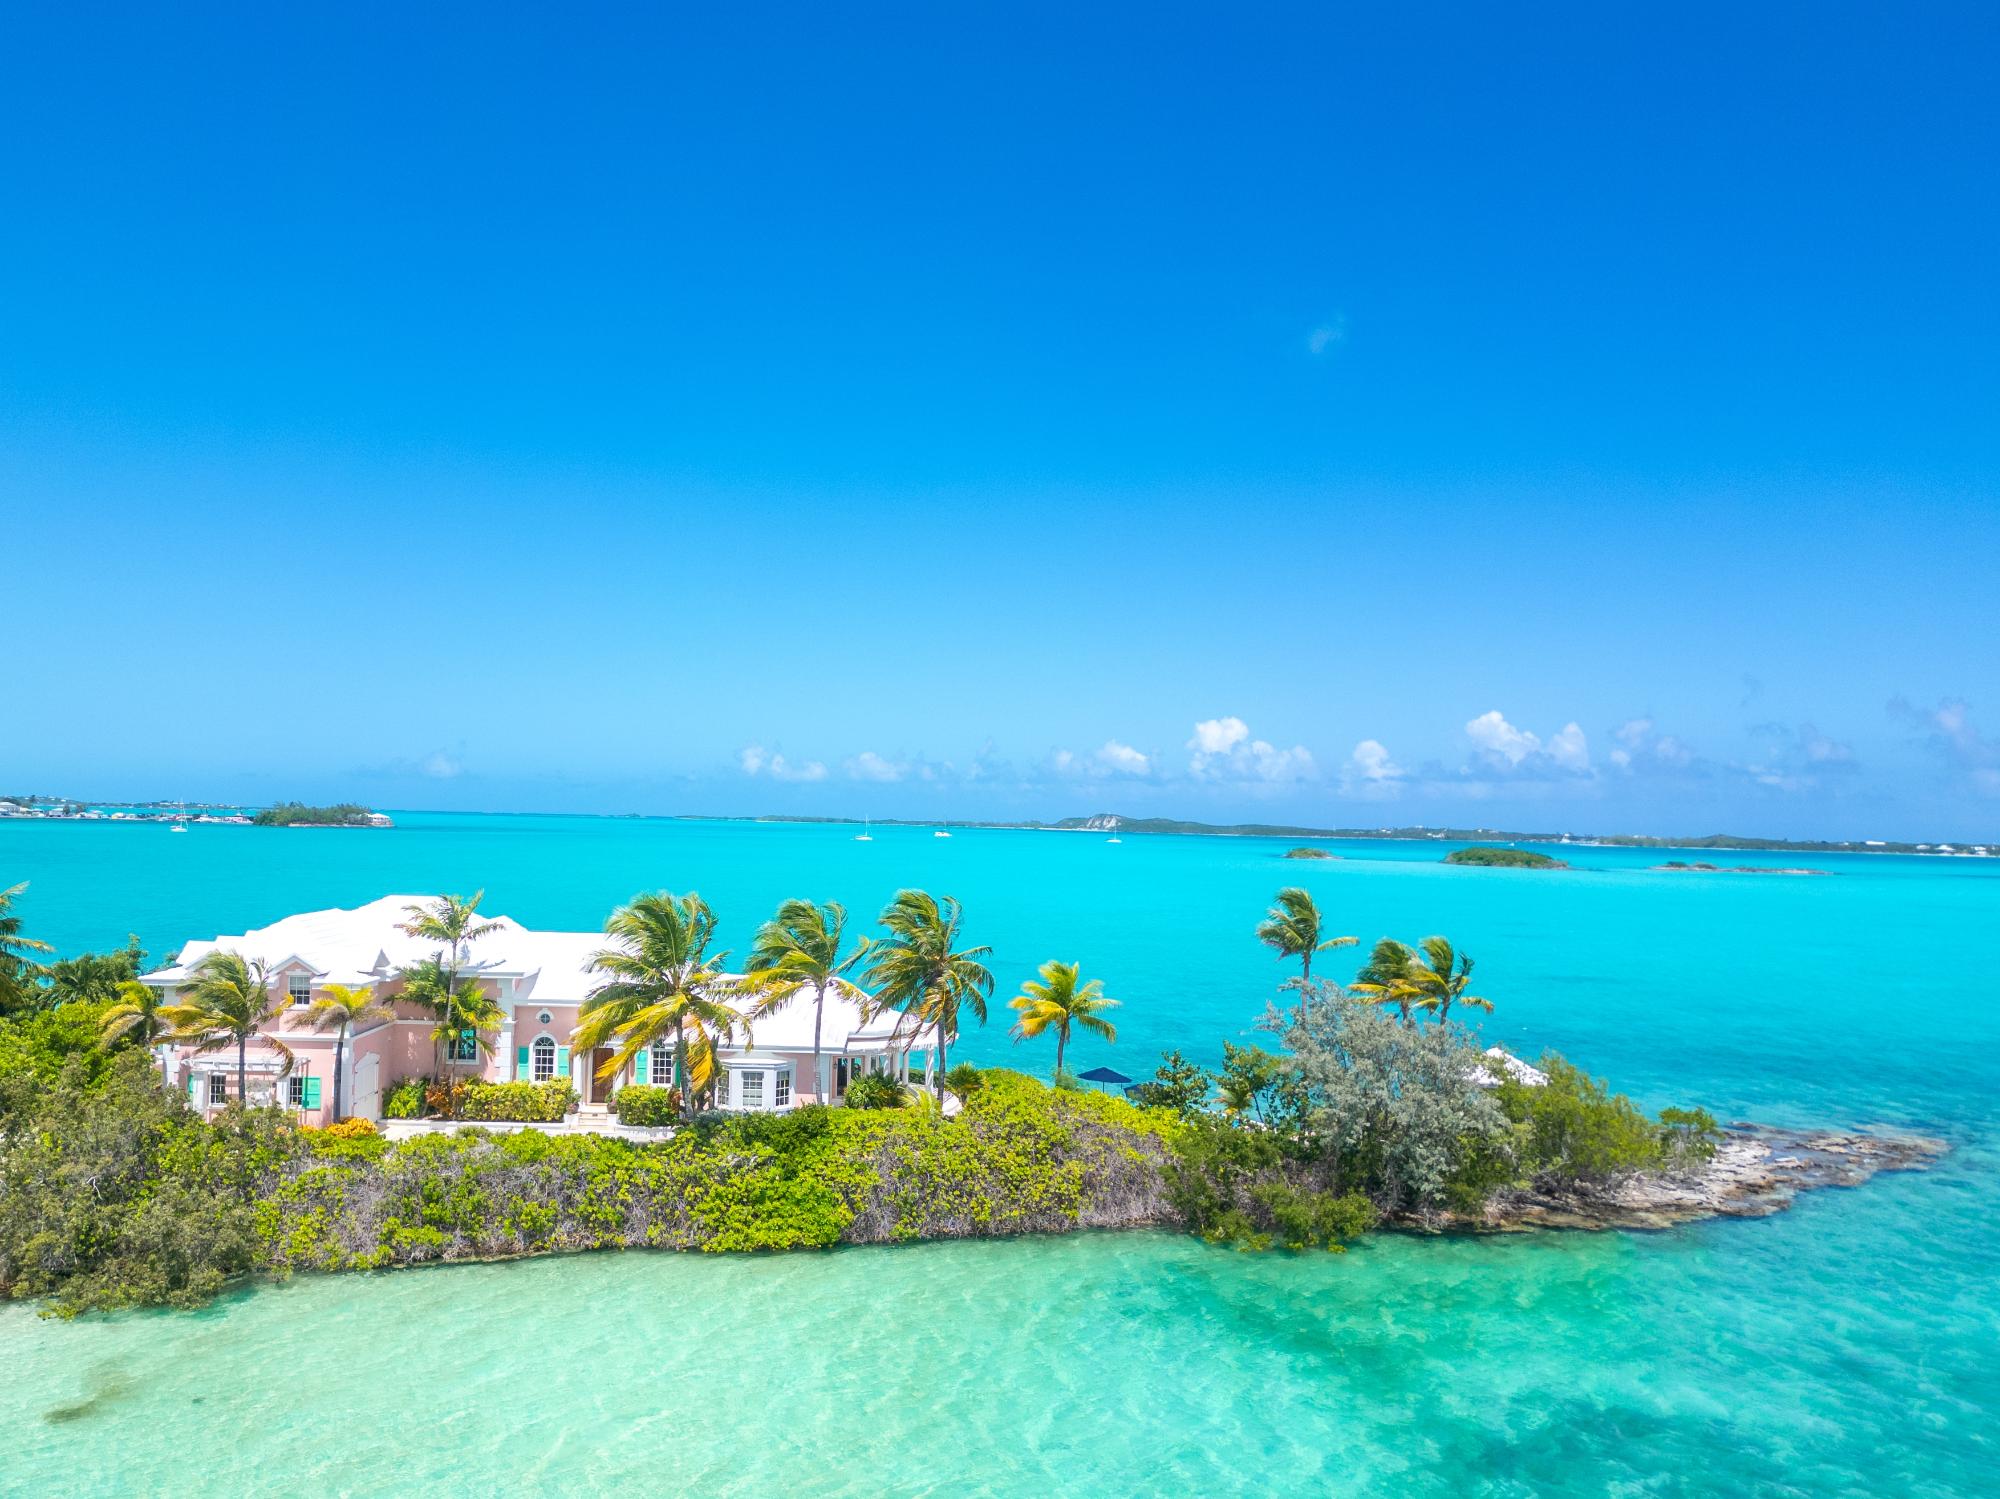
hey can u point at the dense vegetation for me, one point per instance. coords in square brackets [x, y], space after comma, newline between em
[291, 814]
[1503, 858]
[1381, 1109]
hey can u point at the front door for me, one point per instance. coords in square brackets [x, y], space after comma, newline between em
[600, 1087]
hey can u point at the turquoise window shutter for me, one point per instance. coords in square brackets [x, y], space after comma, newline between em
[562, 1062]
[194, 1086]
[524, 1067]
[640, 1066]
[312, 1093]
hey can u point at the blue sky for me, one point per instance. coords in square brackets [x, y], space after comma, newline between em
[1584, 418]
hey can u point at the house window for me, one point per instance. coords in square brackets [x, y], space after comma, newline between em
[750, 1090]
[295, 1092]
[545, 1058]
[782, 1098]
[464, 1047]
[300, 987]
[218, 1088]
[663, 1064]
[545, 1018]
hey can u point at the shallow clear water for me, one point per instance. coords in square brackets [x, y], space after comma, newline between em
[1849, 1346]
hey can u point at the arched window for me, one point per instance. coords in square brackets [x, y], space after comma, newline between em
[545, 1058]
[662, 1070]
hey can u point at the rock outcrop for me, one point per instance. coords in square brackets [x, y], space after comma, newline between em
[1756, 1171]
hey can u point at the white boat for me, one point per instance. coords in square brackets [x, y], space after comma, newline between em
[180, 824]
[864, 836]
[1114, 838]
[940, 833]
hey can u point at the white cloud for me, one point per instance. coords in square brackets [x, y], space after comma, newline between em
[1113, 758]
[1327, 334]
[1218, 736]
[1122, 759]
[869, 766]
[1970, 757]
[1223, 750]
[440, 766]
[1570, 749]
[756, 760]
[1497, 739]
[1370, 772]
[1499, 746]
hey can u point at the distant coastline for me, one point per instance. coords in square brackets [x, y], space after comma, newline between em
[1112, 822]
[75, 809]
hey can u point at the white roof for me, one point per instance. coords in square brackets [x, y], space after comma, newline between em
[1515, 1068]
[363, 945]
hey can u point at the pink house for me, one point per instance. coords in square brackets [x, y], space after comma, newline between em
[539, 979]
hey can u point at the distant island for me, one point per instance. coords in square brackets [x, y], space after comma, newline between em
[1681, 866]
[180, 814]
[1503, 858]
[339, 815]
[1113, 822]
[1309, 853]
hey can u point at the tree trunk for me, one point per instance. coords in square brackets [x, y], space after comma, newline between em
[681, 1078]
[819, 1012]
[242, 1069]
[940, 1062]
[339, 1045]
[1062, 1039]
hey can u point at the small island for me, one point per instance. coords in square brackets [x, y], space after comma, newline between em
[1503, 858]
[1682, 866]
[1309, 853]
[339, 815]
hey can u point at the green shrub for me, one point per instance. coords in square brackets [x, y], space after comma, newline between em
[647, 1105]
[1689, 1135]
[406, 1099]
[877, 1090]
[1303, 1219]
[963, 1080]
[1179, 1085]
[1572, 1128]
[522, 1103]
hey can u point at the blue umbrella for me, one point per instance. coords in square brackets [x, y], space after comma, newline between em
[1104, 1075]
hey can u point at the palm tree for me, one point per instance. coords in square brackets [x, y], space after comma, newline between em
[1292, 929]
[17, 969]
[451, 921]
[344, 1008]
[468, 1012]
[661, 981]
[1059, 1002]
[798, 951]
[1441, 979]
[1385, 979]
[918, 969]
[229, 1001]
[137, 1015]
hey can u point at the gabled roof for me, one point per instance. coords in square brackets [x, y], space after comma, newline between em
[361, 945]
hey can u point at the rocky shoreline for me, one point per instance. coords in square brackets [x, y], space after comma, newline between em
[1756, 1171]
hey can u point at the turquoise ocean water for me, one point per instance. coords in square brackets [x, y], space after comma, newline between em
[1850, 1346]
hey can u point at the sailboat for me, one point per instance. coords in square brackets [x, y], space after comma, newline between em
[940, 833]
[864, 836]
[180, 824]
[1114, 838]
